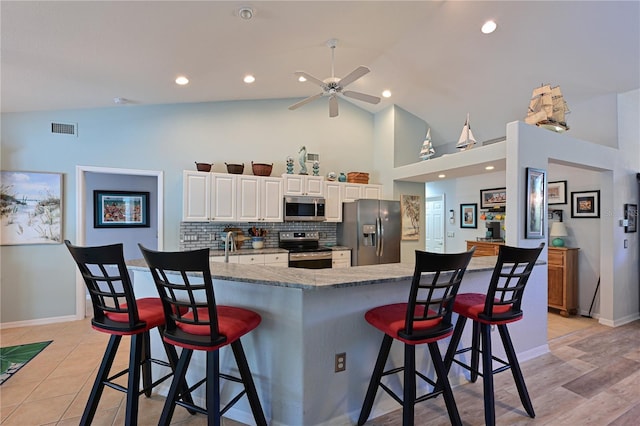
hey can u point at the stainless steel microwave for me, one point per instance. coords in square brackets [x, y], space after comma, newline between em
[304, 209]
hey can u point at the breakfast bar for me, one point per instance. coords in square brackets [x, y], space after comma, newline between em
[310, 315]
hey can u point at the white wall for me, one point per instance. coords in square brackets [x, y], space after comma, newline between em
[38, 282]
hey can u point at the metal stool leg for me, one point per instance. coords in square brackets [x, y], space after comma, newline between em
[443, 381]
[409, 387]
[515, 370]
[133, 382]
[176, 384]
[249, 385]
[213, 388]
[146, 364]
[383, 354]
[101, 377]
[487, 375]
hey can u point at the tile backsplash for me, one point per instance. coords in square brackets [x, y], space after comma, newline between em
[197, 235]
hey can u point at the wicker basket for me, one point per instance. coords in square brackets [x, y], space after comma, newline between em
[261, 169]
[236, 169]
[357, 177]
[203, 167]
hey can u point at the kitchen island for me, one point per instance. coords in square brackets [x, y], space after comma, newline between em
[309, 316]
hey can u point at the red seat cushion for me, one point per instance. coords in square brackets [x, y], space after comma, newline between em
[233, 322]
[390, 319]
[149, 311]
[471, 305]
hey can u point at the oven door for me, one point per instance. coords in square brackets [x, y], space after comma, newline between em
[310, 260]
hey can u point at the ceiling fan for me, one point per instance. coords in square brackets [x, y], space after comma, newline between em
[334, 86]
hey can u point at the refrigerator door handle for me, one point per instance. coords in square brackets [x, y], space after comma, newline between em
[380, 237]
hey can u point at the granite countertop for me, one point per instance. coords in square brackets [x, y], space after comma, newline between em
[315, 279]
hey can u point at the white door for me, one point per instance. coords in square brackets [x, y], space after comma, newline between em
[434, 223]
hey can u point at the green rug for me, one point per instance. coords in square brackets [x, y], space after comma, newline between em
[13, 358]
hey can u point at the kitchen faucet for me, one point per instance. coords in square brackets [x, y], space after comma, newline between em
[229, 245]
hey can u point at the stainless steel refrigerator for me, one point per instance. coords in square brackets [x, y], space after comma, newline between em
[371, 228]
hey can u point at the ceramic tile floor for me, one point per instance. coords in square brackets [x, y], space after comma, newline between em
[590, 377]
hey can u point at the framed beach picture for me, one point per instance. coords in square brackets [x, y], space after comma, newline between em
[410, 208]
[585, 204]
[492, 198]
[534, 212]
[557, 192]
[30, 208]
[469, 215]
[120, 209]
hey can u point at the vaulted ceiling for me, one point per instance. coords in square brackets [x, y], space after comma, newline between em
[430, 54]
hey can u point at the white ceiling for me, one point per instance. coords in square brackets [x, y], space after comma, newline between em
[430, 54]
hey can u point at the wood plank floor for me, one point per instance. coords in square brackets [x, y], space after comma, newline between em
[590, 377]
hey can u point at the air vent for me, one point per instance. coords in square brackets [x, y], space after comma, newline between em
[70, 129]
[313, 157]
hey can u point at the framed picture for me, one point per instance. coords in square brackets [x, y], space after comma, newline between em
[469, 215]
[120, 209]
[410, 209]
[534, 211]
[492, 198]
[585, 204]
[30, 208]
[557, 192]
[631, 214]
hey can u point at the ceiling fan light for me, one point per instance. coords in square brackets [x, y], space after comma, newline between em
[301, 79]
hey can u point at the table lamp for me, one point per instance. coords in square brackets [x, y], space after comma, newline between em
[558, 230]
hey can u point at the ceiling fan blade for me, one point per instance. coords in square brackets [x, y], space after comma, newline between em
[361, 96]
[333, 106]
[310, 78]
[353, 76]
[305, 101]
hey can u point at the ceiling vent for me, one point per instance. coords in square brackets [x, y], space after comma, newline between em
[70, 129]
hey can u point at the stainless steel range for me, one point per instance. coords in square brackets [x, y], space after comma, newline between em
[305, 250]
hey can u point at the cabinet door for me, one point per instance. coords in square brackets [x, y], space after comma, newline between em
[333, 202]
[341, 259]
[271, 199]
[223, 197]
[351, 192]
[251, 259]
[556, 296]
[293, 184]
[313, 185]
[373, 192]
[248, 198]
[196, 193]
[277, 259]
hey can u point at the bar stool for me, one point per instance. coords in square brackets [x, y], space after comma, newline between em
[117, 312]
[500, 306]
[424, 319]
[183, 280]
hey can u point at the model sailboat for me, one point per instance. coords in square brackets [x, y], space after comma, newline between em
[466, 141]
[548, 108]
[427, 150]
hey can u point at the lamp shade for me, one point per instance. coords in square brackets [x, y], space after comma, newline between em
[558, 230]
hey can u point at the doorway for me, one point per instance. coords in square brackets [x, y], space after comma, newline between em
[84, 199]
[434, 224]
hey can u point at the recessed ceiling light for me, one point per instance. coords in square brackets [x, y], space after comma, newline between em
[386, 93]
[182, 80]
[245, 13]
[301, 79]
[489, 168]
[249, 78]
[489, 27]
[442, 176]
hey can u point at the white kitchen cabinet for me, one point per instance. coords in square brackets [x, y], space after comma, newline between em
[272, 259]
[259, 199]
[303, 185]
[208, 196]
[358, 191]
[341, 258]
[333, 201]
[220, 259]
[277, 259]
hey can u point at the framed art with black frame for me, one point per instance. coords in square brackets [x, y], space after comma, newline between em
[469, 215]
[493, 198]
[534, 212]
[120, 209]
[557, 192]
[585, 204]
[631, 215]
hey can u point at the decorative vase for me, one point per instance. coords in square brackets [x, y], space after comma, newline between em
[289, 165]
[557, 242]
[316, 168]
[342, 177]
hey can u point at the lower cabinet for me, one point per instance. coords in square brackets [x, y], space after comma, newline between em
[484, 248]
[273, 259]
[341, 259]
[562, 265]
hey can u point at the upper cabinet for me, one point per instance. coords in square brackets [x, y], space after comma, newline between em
[303, 185]
[336, 193]
[358, 191]
[259, 199]
[208, 196]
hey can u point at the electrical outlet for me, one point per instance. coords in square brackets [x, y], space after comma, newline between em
[451, 234]
[341, 362]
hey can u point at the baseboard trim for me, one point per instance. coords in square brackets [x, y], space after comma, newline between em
[40, 321]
